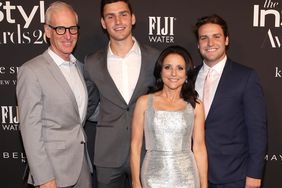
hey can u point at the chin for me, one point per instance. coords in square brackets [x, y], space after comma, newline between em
[68, 50]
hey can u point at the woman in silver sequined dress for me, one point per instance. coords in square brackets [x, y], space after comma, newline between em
[170, 117]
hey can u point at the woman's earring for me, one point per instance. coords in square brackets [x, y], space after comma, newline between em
[159, 80]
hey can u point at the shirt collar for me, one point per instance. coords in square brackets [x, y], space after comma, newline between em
[134, 50]
[218, 67]
[58, 60]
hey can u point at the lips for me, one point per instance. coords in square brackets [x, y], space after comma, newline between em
[119, 28]
[211, 49]
[173, 79]
[67, 43]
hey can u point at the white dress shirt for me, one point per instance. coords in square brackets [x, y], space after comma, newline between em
[125, 70]
[218, 69]
[69, 70]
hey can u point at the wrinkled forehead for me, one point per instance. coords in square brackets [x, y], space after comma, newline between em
[63, 17]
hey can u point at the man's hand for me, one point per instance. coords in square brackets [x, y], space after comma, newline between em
[253, 183]
[50, 184]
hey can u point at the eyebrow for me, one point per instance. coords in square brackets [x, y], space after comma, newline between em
[113, 13]
[215, 34]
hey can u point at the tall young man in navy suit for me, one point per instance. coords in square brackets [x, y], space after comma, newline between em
[235, 117]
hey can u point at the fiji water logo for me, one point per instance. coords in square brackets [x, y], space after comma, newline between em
[9, 118]
[161, 29]
[268, 16]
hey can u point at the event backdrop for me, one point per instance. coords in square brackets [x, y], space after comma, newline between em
[255, 33]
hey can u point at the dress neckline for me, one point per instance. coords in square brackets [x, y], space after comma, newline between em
[151, 106]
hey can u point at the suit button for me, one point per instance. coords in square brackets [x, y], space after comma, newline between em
[82, 142]
[127, 109]
[126, 128]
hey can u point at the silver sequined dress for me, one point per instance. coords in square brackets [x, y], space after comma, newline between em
[169, 161]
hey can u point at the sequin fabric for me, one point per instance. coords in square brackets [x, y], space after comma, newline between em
[169, 161]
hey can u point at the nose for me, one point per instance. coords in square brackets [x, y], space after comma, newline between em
[67, 34]
[118, 19]
[210, 42]
[173, 72]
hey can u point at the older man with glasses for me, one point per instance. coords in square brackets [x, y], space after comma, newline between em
[61, 30]
[52, 100]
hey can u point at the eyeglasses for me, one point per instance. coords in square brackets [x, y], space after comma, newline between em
[60, 30]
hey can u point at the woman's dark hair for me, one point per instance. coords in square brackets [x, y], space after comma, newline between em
[188, 92]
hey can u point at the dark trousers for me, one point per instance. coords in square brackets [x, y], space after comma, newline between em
[84, 180]
[90, 130]
[237, 184]
[114, 177]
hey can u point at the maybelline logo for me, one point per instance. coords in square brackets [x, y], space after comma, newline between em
[269, 10]
[12, 70]
[161, 29]
[21, 34]
[14, 155]
[9, 118]
[273, 157]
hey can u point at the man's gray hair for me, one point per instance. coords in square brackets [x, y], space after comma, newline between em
[57, 6]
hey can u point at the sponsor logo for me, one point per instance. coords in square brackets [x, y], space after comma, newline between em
[278, 72]
[9, 118]
[21, 18]
[14, 155]
[273, 157]
[11, 72]
[161, 29]
[268, 16]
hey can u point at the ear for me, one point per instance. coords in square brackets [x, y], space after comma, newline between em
[47, 31]
[226, 41]
[133, 19]
[103, 23]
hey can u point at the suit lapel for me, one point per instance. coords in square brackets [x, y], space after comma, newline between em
[223, 83]
[144, 60]
[79, 67]
[58, 75]
[110, 87]
[197, 69]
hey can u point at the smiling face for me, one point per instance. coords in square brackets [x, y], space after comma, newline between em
[173, 72]
[118, 21]
[62, 45]
[212, 43]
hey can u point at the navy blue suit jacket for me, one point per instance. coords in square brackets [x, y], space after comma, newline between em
[236, 134]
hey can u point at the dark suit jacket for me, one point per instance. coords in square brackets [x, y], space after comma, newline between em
[113, 131]
[236, 134]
